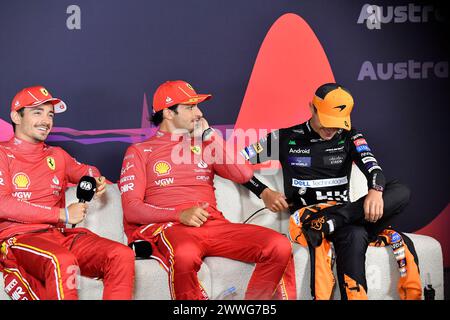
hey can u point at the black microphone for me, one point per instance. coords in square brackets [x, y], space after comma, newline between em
[86, 190]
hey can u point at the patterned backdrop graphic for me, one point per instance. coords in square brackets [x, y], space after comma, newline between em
[260, 59]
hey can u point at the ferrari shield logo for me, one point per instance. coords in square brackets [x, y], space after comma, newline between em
[51, 163]
[44, 91]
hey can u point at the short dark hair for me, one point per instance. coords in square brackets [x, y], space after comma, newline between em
[324, 89]
[20, 112]
[157, 117]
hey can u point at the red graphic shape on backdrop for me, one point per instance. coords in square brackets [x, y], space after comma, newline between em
[438, 229]
[290, 65]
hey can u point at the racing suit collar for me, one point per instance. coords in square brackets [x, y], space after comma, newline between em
[311, 131]
[308, 126]
[172, 136]
[316, 136]
[27, 147]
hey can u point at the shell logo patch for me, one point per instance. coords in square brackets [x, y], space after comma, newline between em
[51, 163]
[162, 168]
[21, 181]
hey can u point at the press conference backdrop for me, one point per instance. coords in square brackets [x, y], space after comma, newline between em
[261, 60]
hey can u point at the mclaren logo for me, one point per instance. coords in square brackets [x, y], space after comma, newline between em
[341, 107]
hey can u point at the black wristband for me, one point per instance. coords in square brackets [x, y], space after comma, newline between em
[377, 187]
[255, 186]
[377, 181]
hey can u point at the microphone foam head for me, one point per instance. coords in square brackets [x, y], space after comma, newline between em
[86, 188]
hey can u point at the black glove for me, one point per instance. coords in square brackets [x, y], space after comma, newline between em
[142, 249]
[316, 227]
[313, 237]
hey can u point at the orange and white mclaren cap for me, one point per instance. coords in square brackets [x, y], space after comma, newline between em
[334, 104]
[175, 92]
[35, 96]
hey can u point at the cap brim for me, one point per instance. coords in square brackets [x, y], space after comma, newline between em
[334, 122]
[197, 99]
[58, 104]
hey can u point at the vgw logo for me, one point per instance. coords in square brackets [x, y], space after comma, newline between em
[374, 15]
[22, 195]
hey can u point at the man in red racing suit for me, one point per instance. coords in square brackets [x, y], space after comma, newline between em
[41, 258]
[168, 201]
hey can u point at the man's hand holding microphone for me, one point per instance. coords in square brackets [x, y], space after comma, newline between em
[86, 189]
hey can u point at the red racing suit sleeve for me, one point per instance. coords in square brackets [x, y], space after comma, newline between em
[75, 170]
[16, 210]
[225, 163]
[132, 184]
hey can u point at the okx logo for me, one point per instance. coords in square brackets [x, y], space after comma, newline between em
[374, 16]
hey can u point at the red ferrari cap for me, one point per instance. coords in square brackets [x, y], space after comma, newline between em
[176, 92]
[34, 96]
